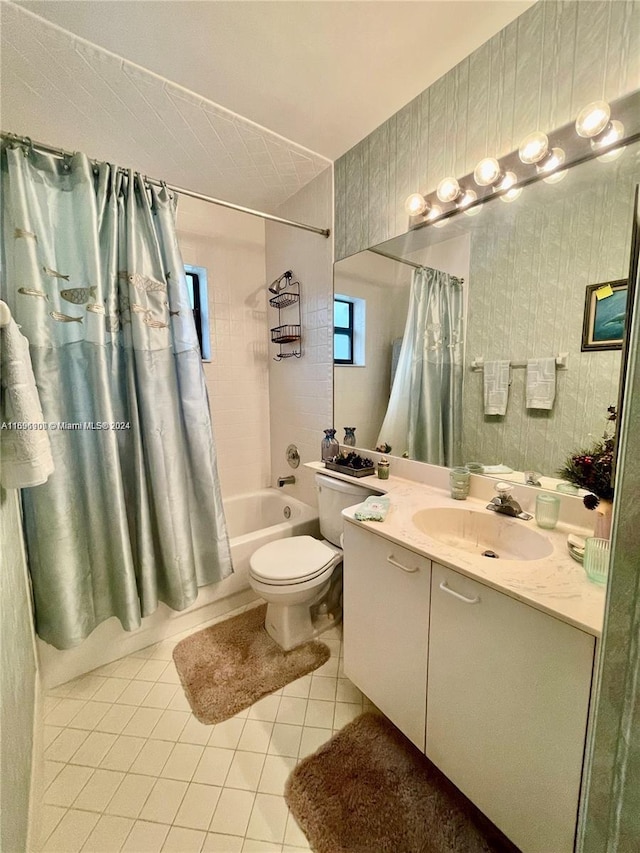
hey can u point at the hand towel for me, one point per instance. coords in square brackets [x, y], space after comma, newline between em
[496, 387]
[541, 383]
[25, 454]
[375, 508]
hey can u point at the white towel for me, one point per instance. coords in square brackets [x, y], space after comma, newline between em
[25, 454]
[496, 387]
[541, 383]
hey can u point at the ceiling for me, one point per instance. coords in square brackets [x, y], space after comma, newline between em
[246, 100]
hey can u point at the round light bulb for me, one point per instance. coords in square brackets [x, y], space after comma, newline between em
[434, 212]
[416, 204]
[556, 177]
[487, 172]
[511, 195]
[448, 189]
[556, 158]
[509, 179]
[612, 133]
[467, 197]
[533, 147]
[593, 119]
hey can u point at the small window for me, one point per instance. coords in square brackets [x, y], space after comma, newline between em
[197, 287]
[342, 331]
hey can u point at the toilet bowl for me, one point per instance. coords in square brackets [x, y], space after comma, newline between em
[300, 578]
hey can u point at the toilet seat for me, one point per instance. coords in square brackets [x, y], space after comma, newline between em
[291, 561]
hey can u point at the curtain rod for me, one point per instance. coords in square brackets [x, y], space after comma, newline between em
[408, 263]
[60, 152]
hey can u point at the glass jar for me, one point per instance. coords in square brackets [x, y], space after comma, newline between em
[350, 436]
[459, 481]
[596, 559]
[383, 469]
[547, 511]
[329, 447]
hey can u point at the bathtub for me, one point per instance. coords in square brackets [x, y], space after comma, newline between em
[253, 519]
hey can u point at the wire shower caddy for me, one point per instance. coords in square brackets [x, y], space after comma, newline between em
[287, 296]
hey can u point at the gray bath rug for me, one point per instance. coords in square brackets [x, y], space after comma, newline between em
[369, 790]
[228, 667]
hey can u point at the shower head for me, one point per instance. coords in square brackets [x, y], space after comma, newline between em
[279, 284]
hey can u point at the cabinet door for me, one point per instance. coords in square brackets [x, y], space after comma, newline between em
[507, 709]
[386, 627]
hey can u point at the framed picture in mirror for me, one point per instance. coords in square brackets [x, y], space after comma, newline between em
[605, 312]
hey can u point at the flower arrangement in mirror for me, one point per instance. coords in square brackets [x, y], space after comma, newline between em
[592, 470]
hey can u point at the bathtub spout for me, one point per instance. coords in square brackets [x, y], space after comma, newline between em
[286, 481]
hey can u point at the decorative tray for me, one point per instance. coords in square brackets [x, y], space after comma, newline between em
[352, 472]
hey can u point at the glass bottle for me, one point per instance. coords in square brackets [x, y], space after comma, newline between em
[350, 436]
[329, 447]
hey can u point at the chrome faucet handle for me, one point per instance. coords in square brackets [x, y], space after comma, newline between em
[504, 490]
[532, 478]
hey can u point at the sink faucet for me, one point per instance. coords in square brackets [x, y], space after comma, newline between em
[286, 481]
[531, 478]
[505, 504]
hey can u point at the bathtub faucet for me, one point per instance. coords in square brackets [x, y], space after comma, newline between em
[286, 481]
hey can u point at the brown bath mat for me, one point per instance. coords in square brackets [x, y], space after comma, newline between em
[231, 665]
[369, 790]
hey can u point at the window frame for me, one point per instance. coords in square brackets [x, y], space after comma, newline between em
[199, 287]
[344, 331]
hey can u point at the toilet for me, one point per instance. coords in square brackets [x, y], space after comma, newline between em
[300, 578]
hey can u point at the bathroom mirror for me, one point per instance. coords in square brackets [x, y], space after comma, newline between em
[526, 265]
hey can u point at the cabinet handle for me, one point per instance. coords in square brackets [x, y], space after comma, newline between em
[445, 588]
[400, 566]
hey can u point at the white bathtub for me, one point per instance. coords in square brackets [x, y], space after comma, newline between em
[253, 520]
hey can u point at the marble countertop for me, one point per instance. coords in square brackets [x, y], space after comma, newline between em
[555, 584]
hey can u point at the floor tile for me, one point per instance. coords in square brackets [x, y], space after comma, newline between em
[94, 749]
[67, 785]
[51, 770]
[143, 722]
[323, 688]
[330, 668]
[300, 687]
[268, 818]
[163, 650]
[108, 835]
[115, 719]
[233, 812]
[227, 734]
[334, 646]
[292, 710]
[213, 766]
[347, 691]
[123, 753]
[107, 668]
[182, 761]
[252, 846]
[181, 840]
[98, 791]
[134, 692]
[170, 676]
[50, 734]
[84, 687]
[275, 773]
[159, 696]
[63, 712]
[164, 801]
[170, 725]
[312, 739]
[344, 713]
[319, 714]
[110, 689]
[50, 702]
[151, 670]
[72, 832]
[195, 731]
[285, 740]
[131, 796]
[152, 757]
[180, 702]
[265, 709]
[145, 837]
[217, 843]
[67, 742]
[256, 735]
[128, 667]
[245, 771]
[90, 715]
[293, 835]
[50, 817]
[198, 805]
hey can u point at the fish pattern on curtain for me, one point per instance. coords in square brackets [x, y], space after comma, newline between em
[132, 514]
[424, 415]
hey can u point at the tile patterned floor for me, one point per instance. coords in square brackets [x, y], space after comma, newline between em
[129, 768]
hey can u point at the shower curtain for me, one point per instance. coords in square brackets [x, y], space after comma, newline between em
[424, 416]
[132, 514]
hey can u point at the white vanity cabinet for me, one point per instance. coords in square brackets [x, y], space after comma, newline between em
[386, 627]
[507, 705]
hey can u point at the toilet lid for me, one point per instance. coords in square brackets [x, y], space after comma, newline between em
[291, 560]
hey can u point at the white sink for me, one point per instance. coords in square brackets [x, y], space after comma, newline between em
[477, 532]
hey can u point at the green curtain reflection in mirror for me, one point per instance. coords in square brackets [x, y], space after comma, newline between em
[424, 416]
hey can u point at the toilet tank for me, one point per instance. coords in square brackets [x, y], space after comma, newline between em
[333, 496]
